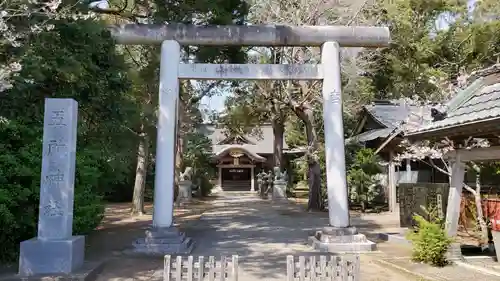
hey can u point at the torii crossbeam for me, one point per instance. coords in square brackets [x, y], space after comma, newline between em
[251, 35]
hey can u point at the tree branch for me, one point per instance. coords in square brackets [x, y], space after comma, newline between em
[357, 13]
[468, 188]
[205, 92]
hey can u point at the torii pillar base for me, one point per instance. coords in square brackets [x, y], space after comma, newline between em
[341, 240]
[163, 241]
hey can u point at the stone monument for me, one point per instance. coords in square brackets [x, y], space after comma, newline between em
[279, 185]
[185, 186]
[55, 250]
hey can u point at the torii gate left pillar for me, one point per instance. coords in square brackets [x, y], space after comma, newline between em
[163, 237]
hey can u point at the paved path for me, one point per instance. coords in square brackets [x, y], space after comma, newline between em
[260, 232]
[263, 234]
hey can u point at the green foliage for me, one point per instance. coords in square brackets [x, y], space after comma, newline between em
[360, 177]
[430, 242]
[20, 165]
[77, 59]
[197, 155]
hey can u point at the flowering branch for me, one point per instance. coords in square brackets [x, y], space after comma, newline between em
[16, 24]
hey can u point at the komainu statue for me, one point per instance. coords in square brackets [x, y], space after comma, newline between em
[277, 174]
[280, 176]
[187, 175]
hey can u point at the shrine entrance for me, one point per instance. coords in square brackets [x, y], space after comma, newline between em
[236, 178]
[236, 165]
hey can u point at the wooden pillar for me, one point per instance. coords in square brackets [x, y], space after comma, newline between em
[252, 179]
[220, 177]
[391, 179]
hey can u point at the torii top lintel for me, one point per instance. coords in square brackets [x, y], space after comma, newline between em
[251, 35]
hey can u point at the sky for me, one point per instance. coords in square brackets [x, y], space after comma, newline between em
[217, 102]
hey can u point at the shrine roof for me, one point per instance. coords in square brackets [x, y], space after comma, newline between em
[387, 117]
[227, 149]
[478, 103]
[260, 142]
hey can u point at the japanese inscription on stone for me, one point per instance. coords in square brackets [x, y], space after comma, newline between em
[58, 169]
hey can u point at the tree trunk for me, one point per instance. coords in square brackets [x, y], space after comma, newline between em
[314, 182]
[179, 161]
[479, 206]
[140, 176]
[306, 114]
[278, 131]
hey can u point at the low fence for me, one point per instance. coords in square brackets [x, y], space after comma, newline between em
[313, 268]
[202, 269]
[336, 268]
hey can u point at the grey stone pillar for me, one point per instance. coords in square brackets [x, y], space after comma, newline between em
[453, 208]
[163, 237]
[55, 250]
[339, 236]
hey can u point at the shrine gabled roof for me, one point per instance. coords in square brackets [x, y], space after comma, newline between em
[389, 115]
[259, 143]
[478, 102]
[243, 148]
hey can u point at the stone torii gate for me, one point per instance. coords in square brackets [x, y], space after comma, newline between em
[163, 237]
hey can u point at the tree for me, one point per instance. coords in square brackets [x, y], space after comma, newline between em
[57, 64]
[18, 20]
[256, 103]
[363, 185]
[429, 152]
[302, 98]
[146, 60]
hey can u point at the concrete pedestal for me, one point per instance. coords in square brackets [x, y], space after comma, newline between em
[341, 240]
[454, 252]
[63, 256]
[164, 241]
[185, 192]
[279, 190]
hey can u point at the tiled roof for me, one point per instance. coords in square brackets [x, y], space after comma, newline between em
[477, 102]
[371, 135]
[262, 143]
[391, 115]
[388, 115]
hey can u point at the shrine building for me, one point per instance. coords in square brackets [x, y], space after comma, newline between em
[240, 158]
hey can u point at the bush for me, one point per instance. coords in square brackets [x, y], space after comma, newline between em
[363, 187]
[430, 242]
[76, 59]
[20, 165]
[206, 186]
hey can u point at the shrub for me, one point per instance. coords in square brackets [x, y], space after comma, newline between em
[20, 165]
[363, 187]
[205, 186]
[430, 242]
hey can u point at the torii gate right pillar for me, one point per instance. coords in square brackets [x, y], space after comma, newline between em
[340, 236]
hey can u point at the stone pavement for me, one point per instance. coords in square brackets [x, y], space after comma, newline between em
[260, 232]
